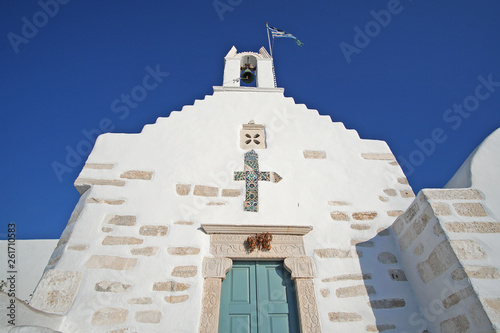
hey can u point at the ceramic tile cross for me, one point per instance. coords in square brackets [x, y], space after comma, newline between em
[251, 175]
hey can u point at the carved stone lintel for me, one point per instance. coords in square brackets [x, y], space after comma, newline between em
[308, 309]
[233, 246]
[216, 267]
[300, 267]
[209, 322]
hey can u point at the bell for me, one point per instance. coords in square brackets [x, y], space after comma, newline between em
[247, 76]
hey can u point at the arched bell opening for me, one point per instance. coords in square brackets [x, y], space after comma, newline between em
[248, 71]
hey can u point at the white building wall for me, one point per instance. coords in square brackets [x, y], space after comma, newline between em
[350, 190]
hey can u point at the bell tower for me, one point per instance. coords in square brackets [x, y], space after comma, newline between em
[248, 69]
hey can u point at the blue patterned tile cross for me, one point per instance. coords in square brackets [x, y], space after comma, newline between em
[252, 176]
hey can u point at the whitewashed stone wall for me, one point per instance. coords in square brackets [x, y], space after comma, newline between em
[130, 259]
[445, 238]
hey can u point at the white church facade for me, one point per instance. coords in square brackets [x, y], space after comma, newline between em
[247, 212]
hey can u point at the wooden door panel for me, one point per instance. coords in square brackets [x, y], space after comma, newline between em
[258, 297]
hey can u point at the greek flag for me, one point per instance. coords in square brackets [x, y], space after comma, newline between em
[275, 32]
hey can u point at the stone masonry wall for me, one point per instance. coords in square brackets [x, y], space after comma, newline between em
[361, 281]
[110, 258]
[444, 239]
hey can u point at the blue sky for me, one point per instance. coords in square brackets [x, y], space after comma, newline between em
[422, 75]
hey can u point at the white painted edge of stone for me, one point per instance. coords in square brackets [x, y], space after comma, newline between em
[250, 229]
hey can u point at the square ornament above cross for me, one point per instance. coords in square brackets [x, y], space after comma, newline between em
[252, 136]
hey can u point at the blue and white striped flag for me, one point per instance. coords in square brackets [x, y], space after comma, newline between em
[275, 32]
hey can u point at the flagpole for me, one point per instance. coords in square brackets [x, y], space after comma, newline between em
[269, 39]
[272, 59]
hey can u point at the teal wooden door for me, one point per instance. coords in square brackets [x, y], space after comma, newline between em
[258, 297]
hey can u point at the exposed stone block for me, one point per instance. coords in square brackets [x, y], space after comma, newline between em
[397, 274]
[74, 215]
[354, 291]
[452, 194]
[437, 229]
[380, 327]
[403, 180]
[99, 166]
[459, 324]
[54, 259]
[388, 303]
[119, 240]
[378, 156]
[455, 298]
[83, 184]
[481, 272]
[390, 192]
[475, 227]
[112, 287]
[56, 290]
[106, 229]
[176, 299]
[407, 193]
[183, 189]
[440, 208]
[109, 316]
[183, 251]
[412, 211]
[145, 251]
[137, 174]
[364, 215]
[468, 249]
[338, 203]
[184, 222]
[469, 209]
[360, 226]
[413, 231]
[78, 247]
[216, 203]
[185, 271]
[339, 216]
[111, 262]
[315, 154]
[140, 300]
[126, 220]
[231, 193]
[381, 198]
[325, 292]
[64, 237]
[149, 317]
[440, 259]
[364, 276]
[419, 249]
[153, 230]
[458, 274]
[122, 330]
[344, 316]
[206, 191]
[105, 201]
[394, 213]
[494, 305]
[387, 258]
[398, 225]
[362, 243]
[336, 253]
[170, 286]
